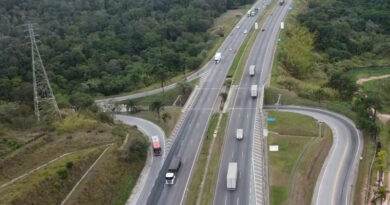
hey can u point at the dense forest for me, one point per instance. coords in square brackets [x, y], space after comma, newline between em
[103, 47]
[324, 41]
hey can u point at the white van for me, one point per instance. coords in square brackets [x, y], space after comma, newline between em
[240, 134]
[252, 70]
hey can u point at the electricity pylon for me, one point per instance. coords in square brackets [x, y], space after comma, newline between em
[44, 100]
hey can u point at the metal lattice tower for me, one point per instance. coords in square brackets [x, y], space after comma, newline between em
[44, 100]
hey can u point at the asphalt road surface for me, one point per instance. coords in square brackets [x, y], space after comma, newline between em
[335, 184]
[144, 184]
[243, 116]
[188, 141]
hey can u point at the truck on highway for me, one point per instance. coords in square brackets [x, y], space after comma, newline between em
[174, 167]
[231, 178]
[217, 57]
[248, 13]
[240, 134]
[156, 146]
[281, 2]
[254, 91]
[252, 70]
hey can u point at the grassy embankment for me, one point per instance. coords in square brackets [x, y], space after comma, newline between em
[212, 171]
[83, 136]
[294, 169]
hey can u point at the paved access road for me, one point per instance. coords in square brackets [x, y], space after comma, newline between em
[335, 184]
[189, 137]
[243, 117]
[154, 163]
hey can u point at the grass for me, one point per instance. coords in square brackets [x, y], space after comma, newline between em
[380, 88]
[111, 183]
[112, 177]
[168, 97]
[35, 187]
[365, 73]
[212, 172]
[293, 170]
[239, 62]
[166, 126]
[283, 125]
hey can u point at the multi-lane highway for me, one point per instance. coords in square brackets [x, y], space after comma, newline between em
[189, 137]
[243, 117]
[335, 184]
[153, 165]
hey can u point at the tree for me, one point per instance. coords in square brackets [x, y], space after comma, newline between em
[223, 98]
[166, 116]
[130, 105]
[160, 73]
[319, 94]
[80, 100]
[345, 85]
[381, 163]
[156, 106]
[185, 88]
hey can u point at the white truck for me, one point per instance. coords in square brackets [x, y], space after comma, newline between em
[217, 57]
[249, 13]
[231, 178]
[252, 70]
[254, 91]
[174, 167]
[240, 134]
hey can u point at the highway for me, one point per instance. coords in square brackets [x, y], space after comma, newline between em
[153, 164]
[243, 117]
[189, 137]
[335, 184]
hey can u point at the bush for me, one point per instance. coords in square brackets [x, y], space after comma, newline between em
[105, 117]
[69, 165]
[119, 131]
[74, 123]
[138, 148]
[62, 173]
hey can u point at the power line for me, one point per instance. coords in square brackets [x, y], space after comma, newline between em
[44, 100]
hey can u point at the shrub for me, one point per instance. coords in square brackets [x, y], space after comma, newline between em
[138, 148]
[74, 123]
[119, 131]
[69, 165]
[62, 173]
[105, 117]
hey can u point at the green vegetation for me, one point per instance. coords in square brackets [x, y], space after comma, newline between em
[167, 125]
[337, 42]
[379, 89]
[38, 187]
[106, 47]
[295, 167]
[211, 173]
[71, 146]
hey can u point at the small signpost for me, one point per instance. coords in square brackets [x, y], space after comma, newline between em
[271, 119]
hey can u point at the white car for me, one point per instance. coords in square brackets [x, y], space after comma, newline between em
[238, 26]
[245, 31]
[240, 134]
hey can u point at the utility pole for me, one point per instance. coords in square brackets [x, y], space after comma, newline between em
[44, 99]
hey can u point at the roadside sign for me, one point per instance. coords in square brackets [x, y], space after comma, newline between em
[274, 148]
[289, 8]
[271, 119]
